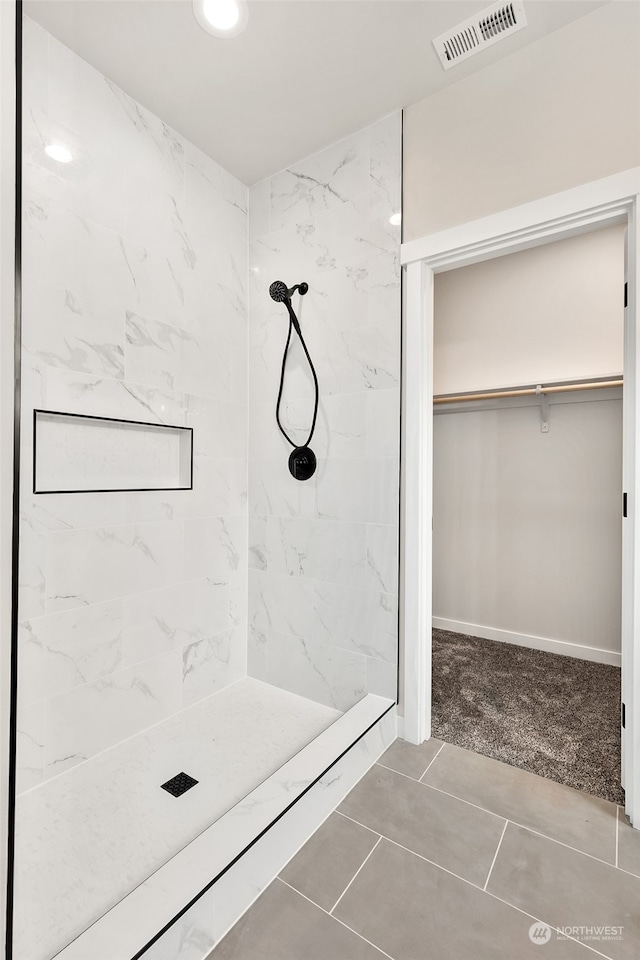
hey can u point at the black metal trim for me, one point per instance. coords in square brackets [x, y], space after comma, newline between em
[141, 423]
[259, 836]
[400, 418]
[15, 538]
[624, 505]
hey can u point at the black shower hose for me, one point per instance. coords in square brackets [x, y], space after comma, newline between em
[293, 323]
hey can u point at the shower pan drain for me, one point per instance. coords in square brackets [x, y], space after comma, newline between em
[179, 784]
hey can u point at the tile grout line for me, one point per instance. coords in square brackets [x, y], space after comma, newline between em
[432, 761]
[495, 856]
[337, 919]
[355, 875]
[494, 896]
[516, 823]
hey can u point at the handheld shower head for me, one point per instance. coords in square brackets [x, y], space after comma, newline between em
[279, 291]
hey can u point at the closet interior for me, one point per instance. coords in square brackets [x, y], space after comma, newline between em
[527, 512]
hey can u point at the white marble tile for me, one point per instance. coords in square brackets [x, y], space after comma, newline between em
[30, 747]
[35, 63]
[156, 283]
[382, 678]
[152, 352]
[317, 549]
[374, 355]
[238, 595]
[87, 187]
[213, 495]
[64, 650]
[87, 566]
[274, 492]
[238, 486]
[338, 299]
[220, 429]
[358, 490]
[386, 162]
[230, 743]
[259, 209]
[210, 664]
[104, 397]
[91, 718]
[206, 368]
[174, 616]
[257, 653]
[346, 239]
[362, 621]
[155, 220]
[63, 330]
[214, 546]
[42, 512]
[325, 674]
[204, 179]
[382, 284]
[31, 579]
[382, 556]
[326, 181]
[341, 426]
[288, 254]
[383, 423]
[76, 254]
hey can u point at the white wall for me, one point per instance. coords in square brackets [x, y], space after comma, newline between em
[561, 112]
[7, 272]
[550, 313]
[527, 525]
[323, 579]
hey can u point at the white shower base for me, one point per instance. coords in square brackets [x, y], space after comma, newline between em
[90, 836]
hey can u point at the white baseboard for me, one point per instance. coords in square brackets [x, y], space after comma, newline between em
[526, 640]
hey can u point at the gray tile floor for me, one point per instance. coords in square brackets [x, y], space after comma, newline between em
[441, 854]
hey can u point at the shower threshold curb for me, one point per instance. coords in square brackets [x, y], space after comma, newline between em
[138, 924]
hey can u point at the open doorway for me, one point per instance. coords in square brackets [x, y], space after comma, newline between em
[607, 202]
[527, 518]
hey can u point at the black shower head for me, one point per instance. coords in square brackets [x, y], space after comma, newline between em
[279, 291]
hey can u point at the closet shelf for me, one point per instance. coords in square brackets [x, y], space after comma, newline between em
[529, 391]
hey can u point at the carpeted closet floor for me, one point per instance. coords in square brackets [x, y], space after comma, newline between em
[556, 716]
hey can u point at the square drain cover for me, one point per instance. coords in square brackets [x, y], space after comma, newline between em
[179, 784]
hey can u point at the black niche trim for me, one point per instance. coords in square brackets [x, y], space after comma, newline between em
[134, 423]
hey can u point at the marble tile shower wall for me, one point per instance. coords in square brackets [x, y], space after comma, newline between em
[323, 562]
[132, 605]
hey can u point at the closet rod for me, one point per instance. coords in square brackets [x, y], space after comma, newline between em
[529, 391]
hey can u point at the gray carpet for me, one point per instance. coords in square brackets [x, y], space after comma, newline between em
[556, 716]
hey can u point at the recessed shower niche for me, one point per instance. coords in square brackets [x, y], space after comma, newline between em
[73, 453]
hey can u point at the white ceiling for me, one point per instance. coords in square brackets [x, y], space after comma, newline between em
[303, 74]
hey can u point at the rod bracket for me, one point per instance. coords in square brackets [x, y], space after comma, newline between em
[544, 409]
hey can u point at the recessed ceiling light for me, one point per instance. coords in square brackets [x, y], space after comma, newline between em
[395, 220]
[223, 18]
[57, 152]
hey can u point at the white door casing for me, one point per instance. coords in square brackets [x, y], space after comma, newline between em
[601, 203]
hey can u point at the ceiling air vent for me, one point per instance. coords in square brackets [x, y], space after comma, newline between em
[487, 27]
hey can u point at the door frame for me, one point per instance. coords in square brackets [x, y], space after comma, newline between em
[601, 203]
